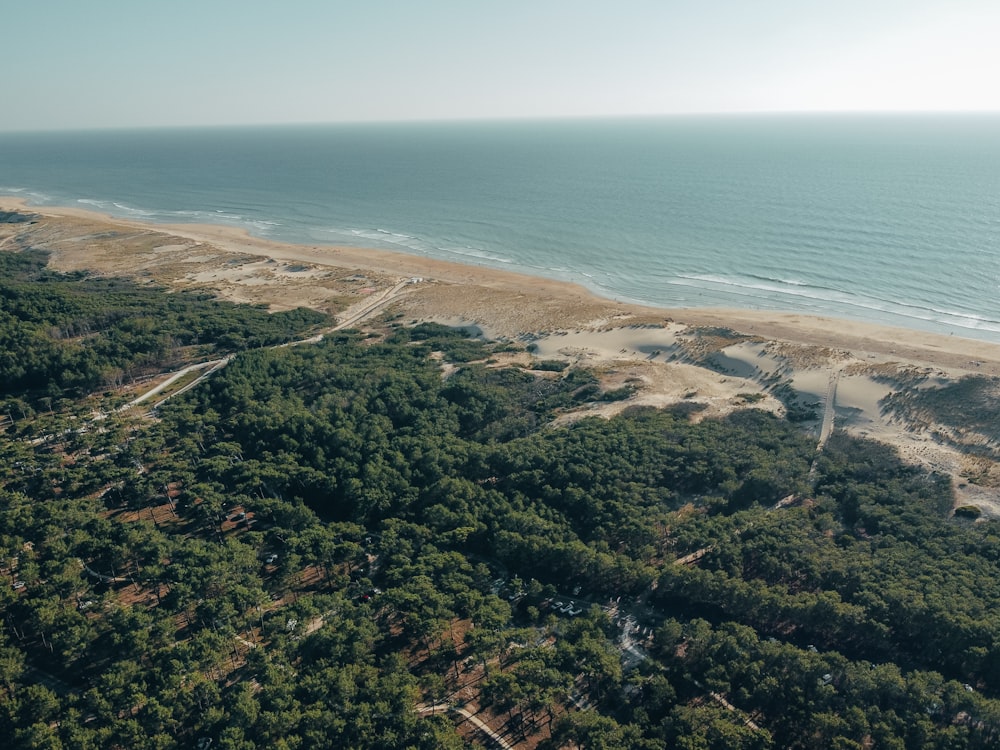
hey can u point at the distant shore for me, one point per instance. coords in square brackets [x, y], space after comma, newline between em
[511, 304]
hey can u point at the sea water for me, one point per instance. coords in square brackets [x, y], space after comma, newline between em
[885, 218]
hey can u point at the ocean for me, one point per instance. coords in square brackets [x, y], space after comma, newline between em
[892, 219]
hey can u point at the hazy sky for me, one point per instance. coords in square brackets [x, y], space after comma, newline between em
[117, 63]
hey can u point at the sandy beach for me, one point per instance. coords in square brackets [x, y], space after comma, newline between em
[717, 358]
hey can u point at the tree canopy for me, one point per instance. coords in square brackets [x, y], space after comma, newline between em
[321, 545]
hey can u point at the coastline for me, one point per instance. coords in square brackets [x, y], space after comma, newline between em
[716, 360]
[501, 305]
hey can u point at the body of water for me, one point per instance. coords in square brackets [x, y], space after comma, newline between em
[892, 218]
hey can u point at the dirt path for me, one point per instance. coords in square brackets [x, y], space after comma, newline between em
[478, 723]
[214, 364]
[360, 312]
[828, 407]
[368, 306]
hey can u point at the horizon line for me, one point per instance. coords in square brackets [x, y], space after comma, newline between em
[513, 119]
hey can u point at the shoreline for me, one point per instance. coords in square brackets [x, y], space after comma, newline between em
[564, 301]
[718, 360]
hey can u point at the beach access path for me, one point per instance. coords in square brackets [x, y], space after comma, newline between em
[354, 315]
[478, 723]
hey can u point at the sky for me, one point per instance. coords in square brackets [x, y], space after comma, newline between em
[74, 64]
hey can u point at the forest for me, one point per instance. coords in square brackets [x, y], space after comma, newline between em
[350, 543]
[70, 335]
